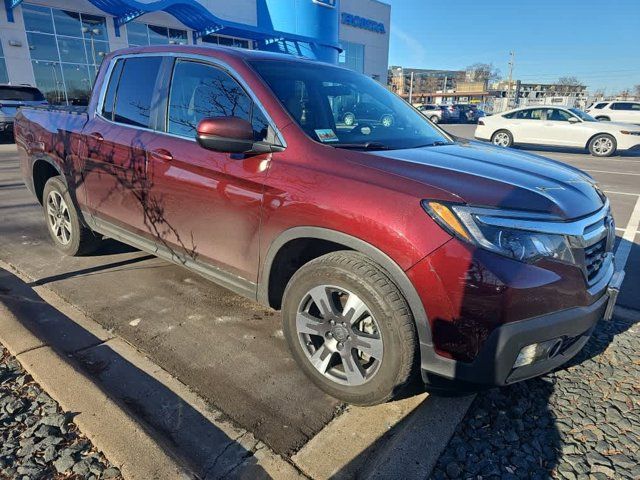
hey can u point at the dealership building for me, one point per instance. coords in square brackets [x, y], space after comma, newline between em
[58, 45]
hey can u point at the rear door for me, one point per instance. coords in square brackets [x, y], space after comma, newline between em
[626, 112]
[210, 202]
[115, 140]
[525, 125]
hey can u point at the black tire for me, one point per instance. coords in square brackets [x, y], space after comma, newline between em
[434, 119]
[502, 134]
[597, 145]
[80, 239]
[394, 325]
[602, 118]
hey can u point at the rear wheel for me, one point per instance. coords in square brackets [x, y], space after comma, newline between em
[502, 138]
[63, 222]
[349, 119]
[349, 328]
[602, 145]
[602, 118]
[386, 120]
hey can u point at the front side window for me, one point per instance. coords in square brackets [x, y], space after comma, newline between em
[133, 102]
[557, 115]
[201, 91]
[345, 109]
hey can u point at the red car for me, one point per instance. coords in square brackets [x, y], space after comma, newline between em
[390, 249]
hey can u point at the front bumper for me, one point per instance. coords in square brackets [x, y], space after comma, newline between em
[493, 366]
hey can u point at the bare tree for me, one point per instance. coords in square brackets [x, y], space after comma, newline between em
[482, 72]
[566, 85]
[636, 90]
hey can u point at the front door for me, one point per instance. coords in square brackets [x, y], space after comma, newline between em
[208, 203]
[559, 131]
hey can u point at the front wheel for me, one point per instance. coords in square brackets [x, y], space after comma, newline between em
[349, 328]
[349, 119]
[502, 138]
[602, 145]
[602, 118]
[434, 119]
[63, 222]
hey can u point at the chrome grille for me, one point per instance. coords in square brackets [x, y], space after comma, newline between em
[594, 257]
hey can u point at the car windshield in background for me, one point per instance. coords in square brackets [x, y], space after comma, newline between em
[345, 109]
[584, 116]
[21, 94]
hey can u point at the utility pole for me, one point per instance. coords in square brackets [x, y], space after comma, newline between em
[512, 56]
[411, 90]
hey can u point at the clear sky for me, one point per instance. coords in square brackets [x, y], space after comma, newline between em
[597, 41]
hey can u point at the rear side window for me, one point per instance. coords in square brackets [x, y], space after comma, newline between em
[625, 106]
[201, 91]
[600, 106]
[132, 104]
[21, 94]
[110, 96]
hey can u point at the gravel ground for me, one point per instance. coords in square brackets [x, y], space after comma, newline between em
[37, 439]
[581, 422]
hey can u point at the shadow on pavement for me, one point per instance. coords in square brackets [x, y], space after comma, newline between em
[201, 445]
[542, 149]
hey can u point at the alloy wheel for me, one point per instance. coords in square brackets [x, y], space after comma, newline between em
[339, 335]
[58, 217]
[501, 139]
[602, 146]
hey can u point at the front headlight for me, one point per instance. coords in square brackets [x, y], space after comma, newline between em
[523, 245]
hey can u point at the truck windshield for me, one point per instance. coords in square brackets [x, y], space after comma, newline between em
[345, 109]
[21, 94]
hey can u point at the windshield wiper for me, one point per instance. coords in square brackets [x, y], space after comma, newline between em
[437, 143]
[362, 146]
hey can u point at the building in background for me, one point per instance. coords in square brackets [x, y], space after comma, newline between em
[58, 45]
[519, 94]
[419, 85]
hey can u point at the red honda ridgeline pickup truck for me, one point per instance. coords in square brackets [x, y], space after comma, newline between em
[389, 245]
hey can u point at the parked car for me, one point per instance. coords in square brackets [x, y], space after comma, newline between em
[367, 112]
[619, 111]
[390, 250]
[434, 113]
[452, 112]
[469, 113]
[558, 127]
[13, 97]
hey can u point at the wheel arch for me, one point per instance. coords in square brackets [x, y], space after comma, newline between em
[269, 290]
[601, 133]
[42, 169]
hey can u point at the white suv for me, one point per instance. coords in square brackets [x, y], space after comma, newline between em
[618, 111]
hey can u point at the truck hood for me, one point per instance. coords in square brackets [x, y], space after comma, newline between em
[483, 175]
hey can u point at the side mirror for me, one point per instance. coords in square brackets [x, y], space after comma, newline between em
[573, 120]
[231, 135]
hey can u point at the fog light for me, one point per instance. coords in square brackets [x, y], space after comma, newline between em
[537, 351]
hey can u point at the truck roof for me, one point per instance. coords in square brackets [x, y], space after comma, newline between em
[215, 51]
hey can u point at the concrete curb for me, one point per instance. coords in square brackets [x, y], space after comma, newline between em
[128, 442]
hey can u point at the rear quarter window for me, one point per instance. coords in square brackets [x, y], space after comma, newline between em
[21, 94]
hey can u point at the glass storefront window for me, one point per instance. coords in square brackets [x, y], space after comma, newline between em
[42, 47]
[137, 34]
[71, 50]
[227, 41]
[67, 23]
[49, 80]
[37, 19]
[352, 56]
[4, 76]
[66, 49]
[141, 34]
